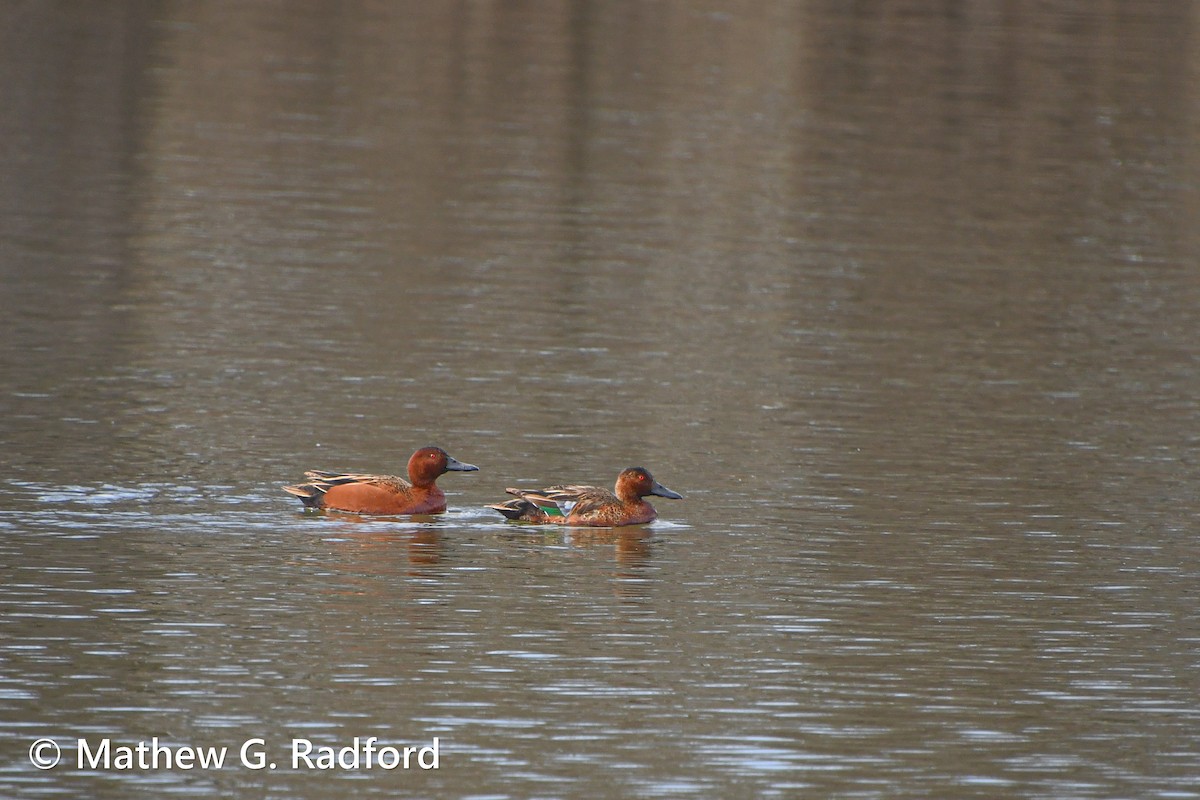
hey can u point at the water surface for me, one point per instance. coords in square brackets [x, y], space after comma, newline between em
[903, 300]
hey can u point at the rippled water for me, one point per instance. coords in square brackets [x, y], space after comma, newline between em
[903, 300]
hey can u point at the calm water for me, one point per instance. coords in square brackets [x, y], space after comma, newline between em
[903, 297]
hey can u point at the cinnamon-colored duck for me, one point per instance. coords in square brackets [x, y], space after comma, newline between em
[383, 494]
[589, 505]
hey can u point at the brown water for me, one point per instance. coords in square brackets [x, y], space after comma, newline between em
[903, 297]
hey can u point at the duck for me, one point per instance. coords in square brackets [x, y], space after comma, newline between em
[589, 505]
[382, 494]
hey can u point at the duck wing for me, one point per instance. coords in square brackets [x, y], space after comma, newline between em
[567, 499]
[327, 480]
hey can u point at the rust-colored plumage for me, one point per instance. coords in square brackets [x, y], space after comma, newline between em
[383, 494]
[589, 505]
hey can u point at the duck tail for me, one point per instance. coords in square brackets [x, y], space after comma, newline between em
[521, 510]
[513, 509]
[311, 494]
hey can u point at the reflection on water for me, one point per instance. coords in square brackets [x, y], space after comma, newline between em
[902, 300]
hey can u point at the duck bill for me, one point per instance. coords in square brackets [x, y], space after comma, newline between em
[454, 465]
[663, 491]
